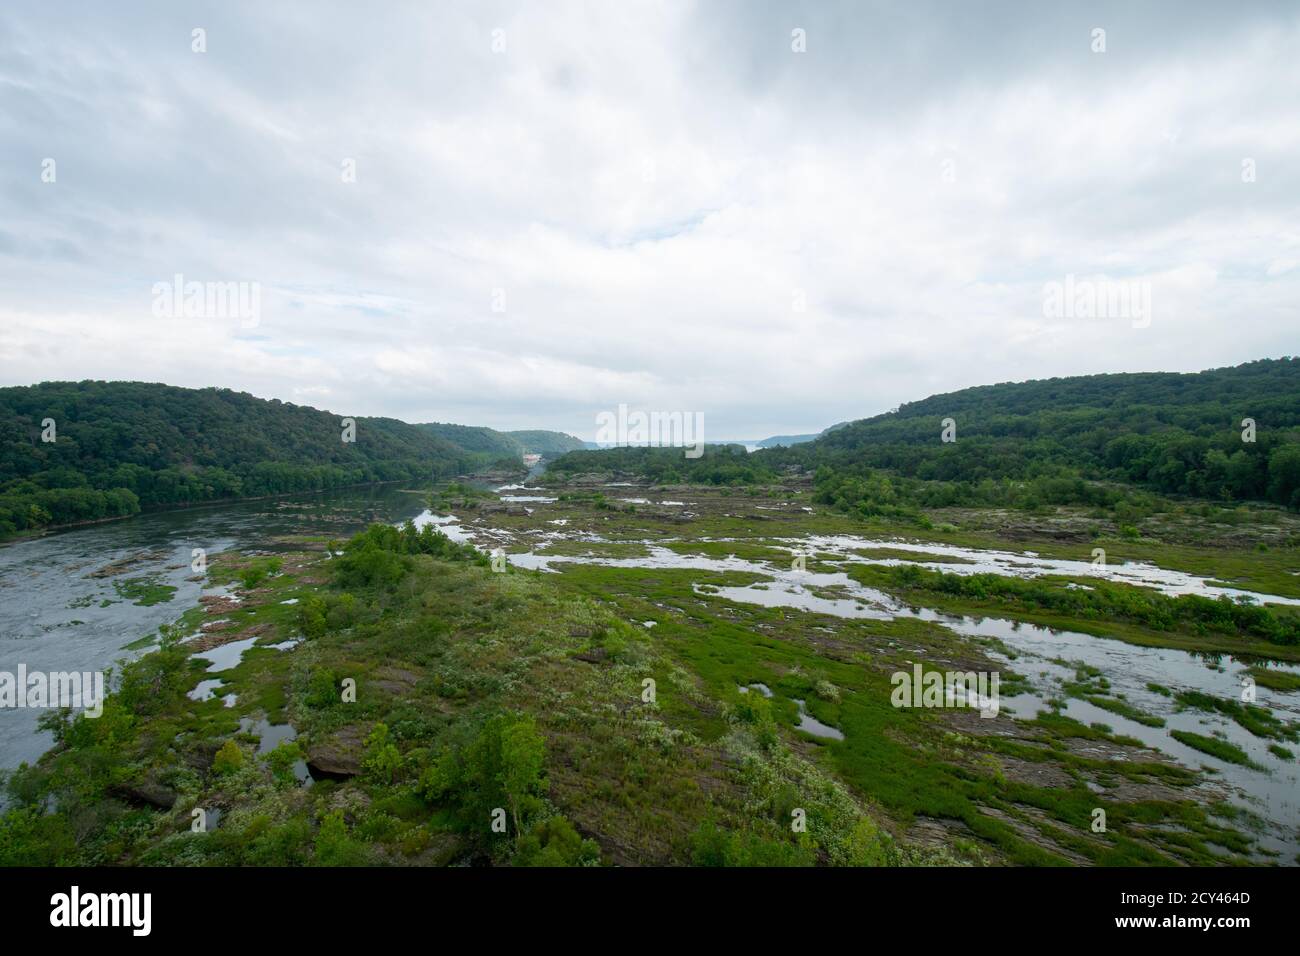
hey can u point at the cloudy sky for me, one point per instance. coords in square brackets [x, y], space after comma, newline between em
[520, 215]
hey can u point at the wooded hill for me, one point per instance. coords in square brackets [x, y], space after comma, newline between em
[1039, 442]
[121, 446]
[1168, 432]
[513, 444]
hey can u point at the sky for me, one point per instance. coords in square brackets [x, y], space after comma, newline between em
[774, 215]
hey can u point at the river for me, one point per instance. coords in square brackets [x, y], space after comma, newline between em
[60, 606]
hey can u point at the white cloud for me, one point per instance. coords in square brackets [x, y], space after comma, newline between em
[646, 188]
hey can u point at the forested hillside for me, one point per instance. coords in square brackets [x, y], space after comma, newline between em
[487, 443]
[497, 445]
[1167, 432]
[121, 446]
[541, 442]
[1075, 440]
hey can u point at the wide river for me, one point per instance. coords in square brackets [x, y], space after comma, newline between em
[60, 606]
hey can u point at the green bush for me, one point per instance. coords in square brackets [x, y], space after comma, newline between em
[29, 837]
[281, 762]
[322, 689]
[334, 847]
[500, 766]
[554, 842]
[258, 571]
[382, 761]
[228, 759]
[713, 846]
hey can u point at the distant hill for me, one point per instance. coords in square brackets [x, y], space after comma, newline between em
[1170, 432]
[513, 444]
[487, 442]
[782, 440]
[777, 441]
[546, 443]
[1037, 442]
[123, 446]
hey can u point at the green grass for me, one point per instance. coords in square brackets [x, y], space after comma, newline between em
[1125, 709]
[1260, 721]
[1230, 753]
[1283, 681]
[144, 592]
[889, 754]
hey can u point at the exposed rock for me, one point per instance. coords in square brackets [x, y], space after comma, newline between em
[201, 754]
[148, 792]
[225, 634]
[394, 680]
[338, 757]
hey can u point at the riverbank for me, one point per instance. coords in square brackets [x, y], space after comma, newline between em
[191, 506]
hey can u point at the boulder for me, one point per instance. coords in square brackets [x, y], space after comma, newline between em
[337, 757]
[148, 792]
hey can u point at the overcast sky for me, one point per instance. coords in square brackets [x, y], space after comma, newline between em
[560, 207]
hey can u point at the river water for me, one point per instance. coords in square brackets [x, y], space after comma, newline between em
[60, 606]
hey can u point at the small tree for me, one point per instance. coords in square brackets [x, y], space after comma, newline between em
[228, 759]
[382, 760]
[523, 752]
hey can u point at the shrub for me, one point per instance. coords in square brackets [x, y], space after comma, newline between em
[554, 842]
[500, 766]
[334, 847]
[258, 571]
[382, 760]
[29, 837]
[713, 846]
[322, 689]
[228, 759]
[281, 760]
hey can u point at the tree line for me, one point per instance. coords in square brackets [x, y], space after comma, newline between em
[1230, 434]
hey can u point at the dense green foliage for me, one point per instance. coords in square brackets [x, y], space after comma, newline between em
[1167, 432]
[878, 494]
[379, 555]
[486, 444]
[496, 446]
[1033, 444]
[719, 465]
[123, 446]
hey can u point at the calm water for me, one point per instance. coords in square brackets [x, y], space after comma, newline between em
[57, 615]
